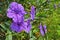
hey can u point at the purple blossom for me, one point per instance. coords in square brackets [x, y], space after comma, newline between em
[43, 29]
[16, 12]
[17, 27]
[32, 13]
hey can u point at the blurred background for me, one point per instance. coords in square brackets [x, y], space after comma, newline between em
[47, 12]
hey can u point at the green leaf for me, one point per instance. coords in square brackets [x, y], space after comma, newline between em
[33, 38]
[58, 31]
[9, 35]
[3, 26]
[30, 34]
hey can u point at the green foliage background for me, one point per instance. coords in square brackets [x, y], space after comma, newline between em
[47, 12]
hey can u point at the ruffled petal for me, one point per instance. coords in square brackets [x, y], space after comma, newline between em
[13, 6]
[15, 27]
[10, 13]
[20, 18]
[21, 9]
[27, 26]
[15, 18]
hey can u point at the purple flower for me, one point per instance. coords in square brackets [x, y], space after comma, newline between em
[16, 12]
[16, 27]
[27, 26]
[43, 29]
[32, 13]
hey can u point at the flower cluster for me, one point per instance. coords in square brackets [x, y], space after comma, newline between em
[16, 12]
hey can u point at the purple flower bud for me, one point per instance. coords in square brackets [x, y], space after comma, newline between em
[32, 13]
[43, 29]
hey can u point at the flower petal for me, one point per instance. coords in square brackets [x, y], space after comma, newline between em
[45, 28]
[20, 18]
[41, 30]
[27, 26]
[13, 6]
[21, 9]
[16, 27]
[41, 26]
[32, 13]
[10, 13]
[15, 18]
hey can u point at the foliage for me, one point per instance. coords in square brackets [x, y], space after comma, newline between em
[47, 12]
